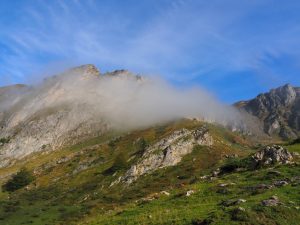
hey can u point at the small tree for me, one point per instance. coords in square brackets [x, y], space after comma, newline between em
[4, 140]
[141, 147]
[119, 164]
[18, 180]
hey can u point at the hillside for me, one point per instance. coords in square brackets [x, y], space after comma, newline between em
[81, 103]
[77, 185]
[76, 149]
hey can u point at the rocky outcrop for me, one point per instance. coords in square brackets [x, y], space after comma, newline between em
[168, 152]
[271, 155]
[273, 201]
[278, 111]
[62, 110]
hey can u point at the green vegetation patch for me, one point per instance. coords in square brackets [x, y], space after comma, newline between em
[18, 180]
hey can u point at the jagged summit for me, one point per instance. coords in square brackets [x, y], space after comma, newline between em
[277, 109]
[124, 74]
[88, 71]
[85, 71]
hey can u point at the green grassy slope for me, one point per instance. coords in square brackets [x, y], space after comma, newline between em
[72, 185]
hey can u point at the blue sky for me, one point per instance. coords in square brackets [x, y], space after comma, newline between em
[233, 48]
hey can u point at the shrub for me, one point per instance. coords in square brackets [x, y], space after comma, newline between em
[239, 214]
[4, 140]
[201, 222]
[119, 164]
[18, 180]
[141, 146]
[234, 164]
[296, 141]
[113, 142]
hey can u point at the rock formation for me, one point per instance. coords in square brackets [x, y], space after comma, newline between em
[272, 155]
[52, 114]
[278, 111]
[168, 152]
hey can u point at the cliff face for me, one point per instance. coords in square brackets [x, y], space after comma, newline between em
[278, 111]
[50, 115]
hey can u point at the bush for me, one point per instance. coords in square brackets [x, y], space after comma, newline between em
[239, 214]
[233, 164]
[119, 164]
[18, 180]
[141, 147]
[4, 140]
[296, 141]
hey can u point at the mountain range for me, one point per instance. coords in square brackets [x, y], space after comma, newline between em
[53, 113]
[85, 147]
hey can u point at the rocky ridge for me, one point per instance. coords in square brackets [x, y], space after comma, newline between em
[278, 111]
[269, 155]
[48, 116]
[168, 152]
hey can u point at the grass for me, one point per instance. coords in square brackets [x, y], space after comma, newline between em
[77, 190]
[206, 203]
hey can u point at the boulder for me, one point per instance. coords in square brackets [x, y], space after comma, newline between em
[273, 201]
[165, 193]
[233, 202]
[280, 183]
[189, 193]
[269, 155]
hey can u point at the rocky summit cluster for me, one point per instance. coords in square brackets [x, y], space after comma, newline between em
[269, 155]
[277, 110]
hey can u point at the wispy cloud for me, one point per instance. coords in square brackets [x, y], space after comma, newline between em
[181, 40]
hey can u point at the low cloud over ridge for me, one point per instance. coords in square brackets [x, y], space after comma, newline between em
[123, 99]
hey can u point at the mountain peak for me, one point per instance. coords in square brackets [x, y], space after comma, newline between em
[285, 94]
[124, 74]
[86, 71]
[277, 109]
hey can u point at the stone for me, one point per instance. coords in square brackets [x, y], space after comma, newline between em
[241, 209]
[189, 193]
[271, 155]
[275, 112]
[204, 177]
[281, 183]
[165, 193]
[273, 201]
[168, 152]
[216, 172]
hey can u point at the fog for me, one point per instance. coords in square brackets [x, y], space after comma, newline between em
[122, 99]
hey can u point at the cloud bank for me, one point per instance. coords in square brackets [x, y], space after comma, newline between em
[124, 100]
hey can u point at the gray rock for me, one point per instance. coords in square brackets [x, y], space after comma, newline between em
[63, 110]
[189, 193]
[277, 110]
[263, 186]
[165, 193]
[280, 183]
[168, 152]
[273, 201]
[272, 155]
[216, 172]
